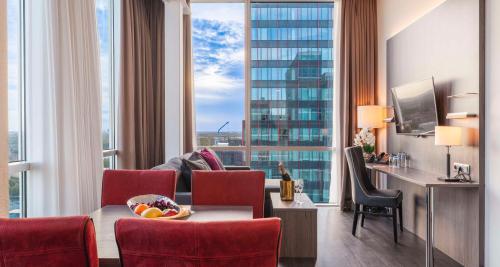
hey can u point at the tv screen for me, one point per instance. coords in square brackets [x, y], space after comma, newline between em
[415, 108]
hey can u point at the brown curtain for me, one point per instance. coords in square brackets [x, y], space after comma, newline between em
[189, 129]
[141, 106]
[357, 76]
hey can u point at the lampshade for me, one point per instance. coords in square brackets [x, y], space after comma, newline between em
[448, 136]
[371, 116]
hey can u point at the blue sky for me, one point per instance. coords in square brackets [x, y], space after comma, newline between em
[102, 9]
[13, 67]
[218, 56]
[103, 28]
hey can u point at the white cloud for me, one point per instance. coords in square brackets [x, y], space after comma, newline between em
[218, 59]
[218, 53]
[224, 12]
[102, 4]
[217, 88]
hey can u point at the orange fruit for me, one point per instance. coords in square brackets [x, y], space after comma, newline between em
[151, 213]
[140, 208]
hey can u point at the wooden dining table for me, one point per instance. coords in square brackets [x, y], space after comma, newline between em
[105, 218]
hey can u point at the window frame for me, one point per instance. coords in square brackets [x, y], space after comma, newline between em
[247, 148]
[114, 35]
[21, 166]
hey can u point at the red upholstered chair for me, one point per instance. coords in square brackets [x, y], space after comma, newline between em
[55, 241]
[202, 244]
[118, 186]
[236, 188]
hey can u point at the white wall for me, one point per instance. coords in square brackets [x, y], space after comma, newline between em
[174, 80]
[394, 16]
[492, 185]
[174, 77]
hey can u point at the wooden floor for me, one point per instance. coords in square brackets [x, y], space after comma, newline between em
[373, 245]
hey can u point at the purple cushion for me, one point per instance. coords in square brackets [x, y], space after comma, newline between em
[211, 160]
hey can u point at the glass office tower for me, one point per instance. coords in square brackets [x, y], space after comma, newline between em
[291, 99]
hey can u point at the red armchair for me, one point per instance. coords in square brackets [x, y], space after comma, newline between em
[118, 186]
[201, 244]
[55, 241]
[237, 188]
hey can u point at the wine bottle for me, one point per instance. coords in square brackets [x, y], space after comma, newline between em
[284, 173]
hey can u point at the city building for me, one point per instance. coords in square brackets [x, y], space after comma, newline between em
[291, 101]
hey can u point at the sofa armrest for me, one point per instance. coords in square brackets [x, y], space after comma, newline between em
[183, 198]
[237, 168]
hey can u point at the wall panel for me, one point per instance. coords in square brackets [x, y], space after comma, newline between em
[445, 44]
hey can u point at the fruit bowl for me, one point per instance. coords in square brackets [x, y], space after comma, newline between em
[156, 207]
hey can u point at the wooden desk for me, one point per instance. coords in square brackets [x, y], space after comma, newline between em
[429, 181]
[300, 224]
[105, 218]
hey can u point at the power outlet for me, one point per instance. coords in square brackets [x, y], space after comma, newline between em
[465, 167]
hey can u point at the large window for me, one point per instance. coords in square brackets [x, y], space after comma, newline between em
[219, 70]
[289, 87]
[18, 166]
[105, 13]
[291, 100]
[16, 116]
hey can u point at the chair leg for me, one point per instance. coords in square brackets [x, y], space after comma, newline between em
[355, 222]
[363, 216]
[400, 211]
[395, 224]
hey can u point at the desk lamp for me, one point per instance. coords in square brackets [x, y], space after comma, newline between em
[448, 136]
[369, 117]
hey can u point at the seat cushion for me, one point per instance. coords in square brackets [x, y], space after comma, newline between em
[383, 198]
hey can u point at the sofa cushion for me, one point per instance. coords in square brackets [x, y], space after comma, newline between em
[172, 164]
[219, 161]
[194, 162]
[210, 159]
[175, 164]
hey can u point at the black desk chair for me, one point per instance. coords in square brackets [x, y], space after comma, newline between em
[365, 194]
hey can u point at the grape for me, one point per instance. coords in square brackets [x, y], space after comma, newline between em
[164, 203]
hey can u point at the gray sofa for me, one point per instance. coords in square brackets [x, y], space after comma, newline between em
[183, 190]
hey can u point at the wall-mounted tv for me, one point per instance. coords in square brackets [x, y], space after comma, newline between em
[415, 109]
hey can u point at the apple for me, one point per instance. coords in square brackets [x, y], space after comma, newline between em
[170, 212]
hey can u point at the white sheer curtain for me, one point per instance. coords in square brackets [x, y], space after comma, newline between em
[4, 146]
[63, 107]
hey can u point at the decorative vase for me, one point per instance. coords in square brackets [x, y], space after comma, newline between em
[287, 190]
[369, 157]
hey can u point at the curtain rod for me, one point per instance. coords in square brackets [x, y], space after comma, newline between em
[262, 1]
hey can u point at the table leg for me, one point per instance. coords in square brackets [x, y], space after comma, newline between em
[429, 241]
